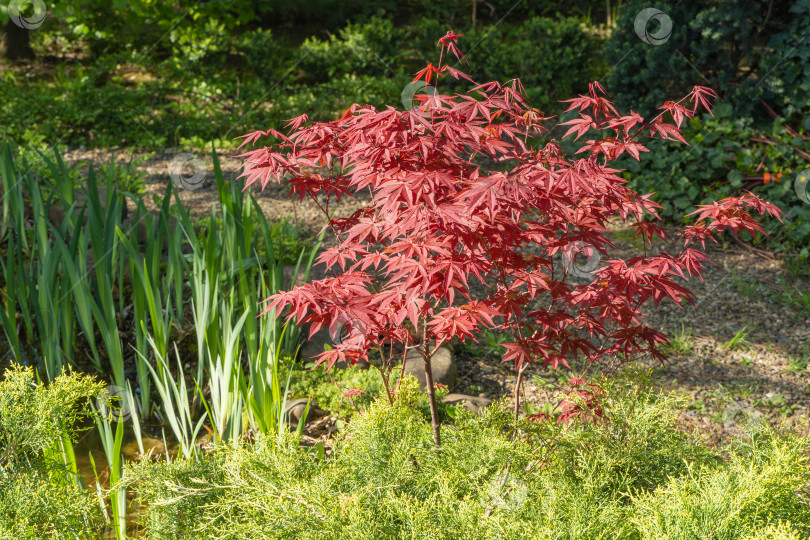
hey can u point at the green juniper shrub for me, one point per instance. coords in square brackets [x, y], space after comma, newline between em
[764, 482]
[778, 531]
[631, 475]
[40, 496]
[342, 392]
[178, 492]
[330, 392]
[637, 447]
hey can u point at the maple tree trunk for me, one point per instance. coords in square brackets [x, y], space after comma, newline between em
[518, 381]
[434, 412]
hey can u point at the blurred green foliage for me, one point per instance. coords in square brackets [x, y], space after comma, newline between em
[152, 75]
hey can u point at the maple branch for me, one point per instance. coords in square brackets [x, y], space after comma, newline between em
[434, 412]
[385, 377]
[518, 382]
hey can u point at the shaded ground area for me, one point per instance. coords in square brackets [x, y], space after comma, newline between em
[763, 375]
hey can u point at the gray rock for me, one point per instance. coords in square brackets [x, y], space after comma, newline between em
[443, 366]
[294, 409]
[314, 346]
[291, 279]
[471, 403]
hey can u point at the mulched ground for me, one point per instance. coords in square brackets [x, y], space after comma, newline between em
[727, 388]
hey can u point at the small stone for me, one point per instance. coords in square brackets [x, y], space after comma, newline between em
[315, 346]
[295, 409]
[443, 366]
[471, 403]
[132, 452]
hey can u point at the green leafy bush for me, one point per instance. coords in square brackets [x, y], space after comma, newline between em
[362, 49]
[789, 65]
[744, 49]
[264, 55]
[202, 47]
[724, 150]
[555, 59]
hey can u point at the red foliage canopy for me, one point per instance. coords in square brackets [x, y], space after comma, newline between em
[459, 194]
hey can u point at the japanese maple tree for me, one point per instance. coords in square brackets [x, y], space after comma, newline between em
[458, 193]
